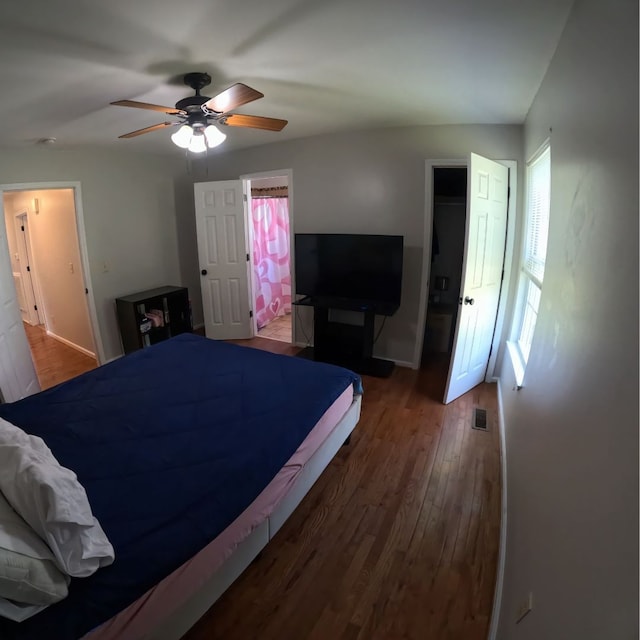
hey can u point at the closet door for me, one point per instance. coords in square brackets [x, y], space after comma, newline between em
[487, 203]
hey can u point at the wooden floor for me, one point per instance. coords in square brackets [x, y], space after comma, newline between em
[397, 539]
[55, 361]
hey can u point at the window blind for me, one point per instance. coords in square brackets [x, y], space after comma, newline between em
[538, 199]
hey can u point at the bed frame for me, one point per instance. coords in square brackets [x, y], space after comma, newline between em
[178, 622]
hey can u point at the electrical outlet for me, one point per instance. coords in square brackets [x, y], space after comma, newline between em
[105, 267]
[525, 607]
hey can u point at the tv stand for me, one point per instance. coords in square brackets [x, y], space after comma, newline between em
[344, 344]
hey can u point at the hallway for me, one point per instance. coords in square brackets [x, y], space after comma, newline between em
[54, 361]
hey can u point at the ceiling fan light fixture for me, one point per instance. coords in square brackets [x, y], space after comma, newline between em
[214, 136]
[197, 144]
[182, 137]
[195, 113]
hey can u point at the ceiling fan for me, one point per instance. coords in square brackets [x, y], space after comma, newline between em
[197, 114]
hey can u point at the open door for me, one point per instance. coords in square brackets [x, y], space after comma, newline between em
[224, 266]
[24, 283]
[485, 236]
[17, 374]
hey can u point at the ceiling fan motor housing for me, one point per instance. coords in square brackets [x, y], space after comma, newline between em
[192, 104]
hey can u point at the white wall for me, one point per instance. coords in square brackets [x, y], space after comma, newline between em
[572, 431]
[366, 182]
[10, 225]
[54, 241]
[129, 205]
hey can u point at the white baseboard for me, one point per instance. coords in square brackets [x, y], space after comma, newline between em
[502, 551]
[73, 345]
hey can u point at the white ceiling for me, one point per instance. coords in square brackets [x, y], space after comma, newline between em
[325, 66]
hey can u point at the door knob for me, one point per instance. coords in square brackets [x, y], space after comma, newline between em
[204, 272]
[468, 300]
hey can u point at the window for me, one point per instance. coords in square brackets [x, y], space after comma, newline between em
[534, 252]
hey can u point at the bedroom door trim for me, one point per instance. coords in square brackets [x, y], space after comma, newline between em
[82, 242]
[246, 178]
[430, 165]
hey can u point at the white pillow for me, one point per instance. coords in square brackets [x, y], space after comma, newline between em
[52, 501]
[29, 576]
[18, 612]
[30, 580]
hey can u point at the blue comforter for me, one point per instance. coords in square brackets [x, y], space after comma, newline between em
[171, 443]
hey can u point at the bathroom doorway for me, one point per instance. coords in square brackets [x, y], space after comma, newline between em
[270, 244]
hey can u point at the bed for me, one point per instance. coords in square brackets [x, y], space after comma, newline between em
[192, 453]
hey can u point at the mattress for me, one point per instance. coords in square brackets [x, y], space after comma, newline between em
[141, 617]
[171, 443]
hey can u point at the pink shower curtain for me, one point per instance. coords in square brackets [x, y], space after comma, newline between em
[272, 274]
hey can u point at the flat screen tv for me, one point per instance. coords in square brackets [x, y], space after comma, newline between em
[365, 268]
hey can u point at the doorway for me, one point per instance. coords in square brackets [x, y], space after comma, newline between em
[447, 256]
[445, 277]
[268, 226]
[48, 274]
[488, 247]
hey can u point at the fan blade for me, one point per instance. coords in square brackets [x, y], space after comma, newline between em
[153, 127]
[256, 122]
[235, 96]
[145, 105]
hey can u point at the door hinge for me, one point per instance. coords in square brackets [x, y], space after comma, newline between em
[22, 227]
[28, 268]
[250, 313]
[247, 257]
[244, 195]
[35, 306]
[86, 291]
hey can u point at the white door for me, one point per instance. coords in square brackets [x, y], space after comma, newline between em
[28, 306]
[485, 236]
[17, 374]
[18, 282]
[222, 251]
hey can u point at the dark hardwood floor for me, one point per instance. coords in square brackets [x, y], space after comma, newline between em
[397, 539]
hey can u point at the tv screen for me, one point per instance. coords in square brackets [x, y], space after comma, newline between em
[351, 266]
